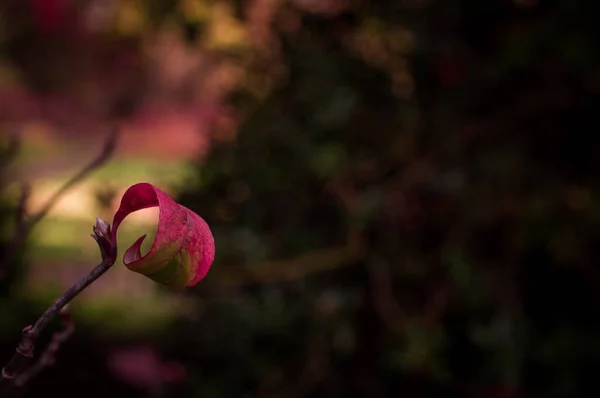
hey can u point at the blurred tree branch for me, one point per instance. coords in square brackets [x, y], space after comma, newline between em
[291, 269]
[10, 151]
[24, 225]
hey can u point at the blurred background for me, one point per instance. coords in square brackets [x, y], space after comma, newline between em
[403, 194]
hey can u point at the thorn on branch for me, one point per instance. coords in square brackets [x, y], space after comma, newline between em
[48, 356]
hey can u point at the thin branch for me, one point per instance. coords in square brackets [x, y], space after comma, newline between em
[48, 356]
[307, 264]
[24, 351]
[21, 211]
[107, 151]
[291, 269]
[382, 291]
[12, 148]
[24, 226]
[387, 307]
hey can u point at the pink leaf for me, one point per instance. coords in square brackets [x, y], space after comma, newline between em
[183, 249]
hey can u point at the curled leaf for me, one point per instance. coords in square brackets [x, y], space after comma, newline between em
[183, 249]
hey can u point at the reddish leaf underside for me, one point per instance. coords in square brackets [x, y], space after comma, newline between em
[183, 249]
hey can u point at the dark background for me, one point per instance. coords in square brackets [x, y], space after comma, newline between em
[403, 194]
